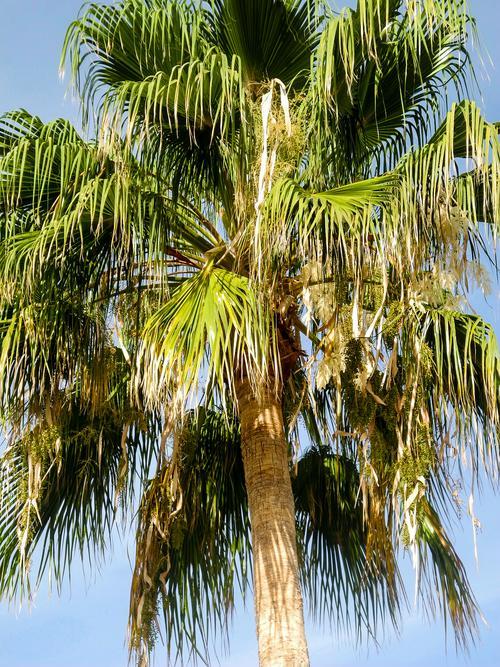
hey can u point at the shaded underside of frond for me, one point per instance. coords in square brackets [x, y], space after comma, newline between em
[193, 539]
[63, 481]
[338, 571]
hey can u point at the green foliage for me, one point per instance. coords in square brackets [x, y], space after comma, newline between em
[274, 193]
[61, 483]
[333, 540]
[193, 540]
[215, 311]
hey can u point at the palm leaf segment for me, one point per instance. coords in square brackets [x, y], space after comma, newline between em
[270, 178]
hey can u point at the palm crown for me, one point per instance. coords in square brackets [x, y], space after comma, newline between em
[280, 204]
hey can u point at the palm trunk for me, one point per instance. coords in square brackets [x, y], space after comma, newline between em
[277, 595]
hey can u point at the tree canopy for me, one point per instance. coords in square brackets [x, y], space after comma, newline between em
[280, 193]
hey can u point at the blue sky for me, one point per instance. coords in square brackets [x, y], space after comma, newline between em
[86, 626]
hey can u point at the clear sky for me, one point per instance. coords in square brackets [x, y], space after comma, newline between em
[86, 626]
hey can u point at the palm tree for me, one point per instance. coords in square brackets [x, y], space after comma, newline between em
[253, 283]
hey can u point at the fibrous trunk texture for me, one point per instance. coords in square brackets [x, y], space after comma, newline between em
[277, 595]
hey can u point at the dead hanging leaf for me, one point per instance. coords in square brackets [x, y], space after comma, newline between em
[361, 380]
[323, 374]
[392, 366]
[285, 304]
[332, 364]
[376, 398]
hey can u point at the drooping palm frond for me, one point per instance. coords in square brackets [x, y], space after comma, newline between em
[466, 376]
[178, 88]
[89, 223]
[381, 70]
[443, 574]
[63, 479]
[432, 174]
[337, 569]
[476, 194]
[337, 537]
[44, 345]
[194, 543]
[193, 540]
[131, 41]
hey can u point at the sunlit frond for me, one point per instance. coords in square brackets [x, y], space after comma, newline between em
[216, 317]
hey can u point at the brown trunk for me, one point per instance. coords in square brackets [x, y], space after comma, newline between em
[277, 595]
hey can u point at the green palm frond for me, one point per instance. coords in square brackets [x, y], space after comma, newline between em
[41, 165]
[196, 98]
[61, 481]
[193, 541]
[272, 40]
[340, 219]
[345, 200]
[131, 41]
[381, 71]
[337, 569]
[213, 317]
[466, 376]
[443, 572]
[18, 125]
[178, 88]
[476, 194]
[64, 199]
